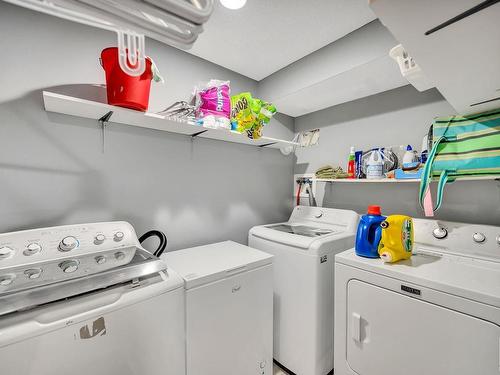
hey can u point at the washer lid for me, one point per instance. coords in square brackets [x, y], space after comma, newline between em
[302, 230]
[204, 264]
[471, 278]
[300, 235]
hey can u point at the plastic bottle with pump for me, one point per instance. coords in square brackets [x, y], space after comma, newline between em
[350, 164]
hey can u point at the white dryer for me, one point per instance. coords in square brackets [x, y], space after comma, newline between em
[304, 250]
[436, 313]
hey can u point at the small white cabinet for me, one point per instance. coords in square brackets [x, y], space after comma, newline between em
[461, 58]
[229, 325]
[229, 308]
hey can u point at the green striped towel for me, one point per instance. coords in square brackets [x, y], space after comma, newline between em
[329, 172]
[463, 146]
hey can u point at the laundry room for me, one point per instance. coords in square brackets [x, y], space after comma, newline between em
[219, 187]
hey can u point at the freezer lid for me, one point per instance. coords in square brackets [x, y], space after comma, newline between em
[204, 264]
[474, 279]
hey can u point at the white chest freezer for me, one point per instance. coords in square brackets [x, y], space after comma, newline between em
[229, 308]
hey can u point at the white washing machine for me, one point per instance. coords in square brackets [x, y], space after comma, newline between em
[87, 299]
[229, 308]
[304, 250]
[436, 313]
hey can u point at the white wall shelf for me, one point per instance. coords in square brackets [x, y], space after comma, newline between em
[392, 180]
[73, 106]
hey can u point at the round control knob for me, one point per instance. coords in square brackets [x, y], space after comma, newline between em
[318, 215]
[6, 252]
[498, 239]
[32, 248]
[478, 237]
[99, 238]
[69, 266]
[119, 255]
[118, 236]
[7, 279]
[33, 273]
[100, 259]
[440, 233]
[68, 243]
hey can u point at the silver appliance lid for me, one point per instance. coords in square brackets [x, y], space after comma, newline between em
[142, 265]
[43, 265]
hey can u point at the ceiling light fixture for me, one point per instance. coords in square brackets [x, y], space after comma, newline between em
[233, 4]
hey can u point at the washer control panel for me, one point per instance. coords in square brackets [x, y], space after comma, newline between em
[470, 240]
[37, 257]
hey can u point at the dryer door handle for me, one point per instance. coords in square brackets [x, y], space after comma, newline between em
[356, 327]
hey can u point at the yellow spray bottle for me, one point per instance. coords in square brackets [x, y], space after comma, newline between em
[396, 242]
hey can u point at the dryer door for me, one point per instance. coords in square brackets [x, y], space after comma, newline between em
[392, 334]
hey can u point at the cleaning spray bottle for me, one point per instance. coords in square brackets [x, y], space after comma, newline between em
[350, 164]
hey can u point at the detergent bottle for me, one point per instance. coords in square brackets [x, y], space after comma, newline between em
[369, 233]
[396, 242]
[375, 165]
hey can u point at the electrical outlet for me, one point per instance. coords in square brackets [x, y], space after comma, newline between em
[303, 193]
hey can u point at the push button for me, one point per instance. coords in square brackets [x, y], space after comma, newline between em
[120, 255]
[32, 248]
[33, 273]
[69, 266]
[478, 237]
[6, 280]
[118, 236]
[440, 233]
[99, 239]
[6, 252]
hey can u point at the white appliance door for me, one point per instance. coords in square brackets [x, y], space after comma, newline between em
[303, 307]
[392, 334]
[113, 332]
[230, 325]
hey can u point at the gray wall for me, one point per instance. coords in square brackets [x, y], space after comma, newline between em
[52, 170]
[399, 116]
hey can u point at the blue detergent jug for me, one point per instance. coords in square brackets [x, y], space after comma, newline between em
[369, 233]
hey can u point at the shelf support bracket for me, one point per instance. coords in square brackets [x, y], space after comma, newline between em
[103, 121]
[198, 133]
[267, 144]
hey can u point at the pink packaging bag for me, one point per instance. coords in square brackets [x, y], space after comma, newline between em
[214, 100]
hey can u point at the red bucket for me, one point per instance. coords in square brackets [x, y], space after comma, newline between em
[124, 90]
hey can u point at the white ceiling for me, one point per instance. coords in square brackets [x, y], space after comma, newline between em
[267, 35]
